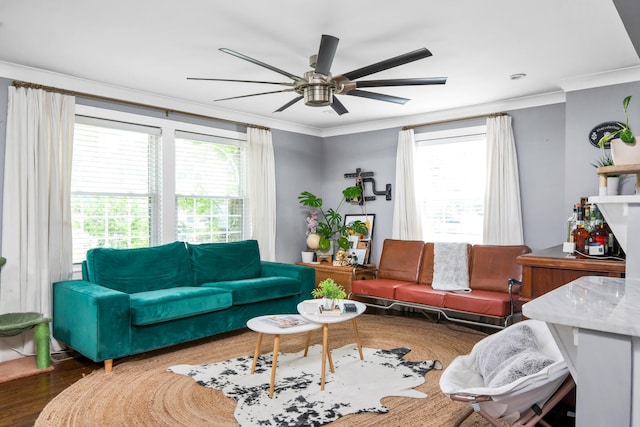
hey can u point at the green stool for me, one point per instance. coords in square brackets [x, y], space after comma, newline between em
[16, 323]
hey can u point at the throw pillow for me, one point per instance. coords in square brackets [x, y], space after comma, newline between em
[450, 267]
[528, 362]
[499, 358]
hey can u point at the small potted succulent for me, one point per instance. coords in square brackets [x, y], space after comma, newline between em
[330, 291]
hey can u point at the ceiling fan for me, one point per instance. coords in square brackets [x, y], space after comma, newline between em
[318, 87]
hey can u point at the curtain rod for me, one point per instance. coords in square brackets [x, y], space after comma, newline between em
[167, 111]
[483, 116]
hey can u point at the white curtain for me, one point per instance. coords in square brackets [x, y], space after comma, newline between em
[503, 215]
[406, 216]
[36, 206]
[262, 191]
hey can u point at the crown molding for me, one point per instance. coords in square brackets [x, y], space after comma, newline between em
[75, 84]
[608, 78]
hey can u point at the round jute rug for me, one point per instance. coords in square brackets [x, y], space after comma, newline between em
[141, 392]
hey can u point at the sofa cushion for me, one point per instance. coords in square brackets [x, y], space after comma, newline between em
[400, 260]
[216, 262]
[140, 270]
[487, 303]
[168, 304]
[492, 266]
[421, 294]
[382, 288]
[259, 289]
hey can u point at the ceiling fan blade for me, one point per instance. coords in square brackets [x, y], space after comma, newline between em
[328, 47]
[338, 107]
[388, 63]
[254, 94]
[260, 63]
[378, 96]
[402, 82]
[289, 104]
[241, 81]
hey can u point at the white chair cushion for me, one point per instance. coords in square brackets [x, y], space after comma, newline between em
[508, 355]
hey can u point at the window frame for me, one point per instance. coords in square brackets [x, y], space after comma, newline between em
[458, 134]
[167, 210]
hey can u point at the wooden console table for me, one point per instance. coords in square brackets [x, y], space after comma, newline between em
[341, 275]
[548, 269]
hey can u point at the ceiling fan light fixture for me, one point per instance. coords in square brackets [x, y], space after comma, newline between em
[318, 95]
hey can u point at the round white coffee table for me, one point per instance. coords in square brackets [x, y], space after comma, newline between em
[263, 325]
[311, 312]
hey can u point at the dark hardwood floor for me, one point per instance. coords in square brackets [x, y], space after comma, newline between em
[22, 400]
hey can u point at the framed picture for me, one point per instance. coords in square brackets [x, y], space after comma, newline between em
[368, 220]
[361, 255]
[353, 241]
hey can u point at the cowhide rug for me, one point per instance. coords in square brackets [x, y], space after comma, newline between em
[356, 386]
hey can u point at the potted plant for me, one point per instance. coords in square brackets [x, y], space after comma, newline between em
[624, 149]
[330, 291]
[330, 226]
[613, 179]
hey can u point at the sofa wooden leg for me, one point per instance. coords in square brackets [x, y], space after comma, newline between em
[108, 366]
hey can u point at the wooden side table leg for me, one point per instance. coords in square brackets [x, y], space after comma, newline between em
[329, 358]
[325, 346]
[306, 347]
[256, 353]
[274, 363]
[355, 330]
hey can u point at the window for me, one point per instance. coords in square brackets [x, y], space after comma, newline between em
[450, 171]
[208, 189]
[137, 182]
[114, 186]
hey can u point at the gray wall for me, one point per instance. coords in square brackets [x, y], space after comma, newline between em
[585, 109]
[554, 159]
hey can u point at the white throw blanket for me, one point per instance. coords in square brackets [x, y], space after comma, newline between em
[450, 267]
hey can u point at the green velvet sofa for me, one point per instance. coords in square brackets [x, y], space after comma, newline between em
[135, 300]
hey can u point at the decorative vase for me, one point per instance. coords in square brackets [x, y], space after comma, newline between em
[328, 303]
[625, 154]
[313, 241]
[612, 185]
[327, 252]
[307, 256]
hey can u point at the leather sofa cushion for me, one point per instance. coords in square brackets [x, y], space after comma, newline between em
[217, 262]
[421, 294]
[492, 266]
[140, 270]
[168, 304]
[489, 303]
[382, 288]
[400, 260]
[259, 289]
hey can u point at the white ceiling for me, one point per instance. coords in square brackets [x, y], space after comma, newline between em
[151, 46]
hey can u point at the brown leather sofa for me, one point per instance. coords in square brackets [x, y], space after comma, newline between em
[405, 275]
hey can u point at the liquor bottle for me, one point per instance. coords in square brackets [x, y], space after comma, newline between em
[599, 240]
[571, 223]
[586, 217]
[580, 234]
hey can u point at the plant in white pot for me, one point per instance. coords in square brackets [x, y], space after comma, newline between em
[625, 149]
[330, 291]
[613, 179]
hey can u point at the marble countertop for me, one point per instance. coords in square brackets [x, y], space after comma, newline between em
[591, 302]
